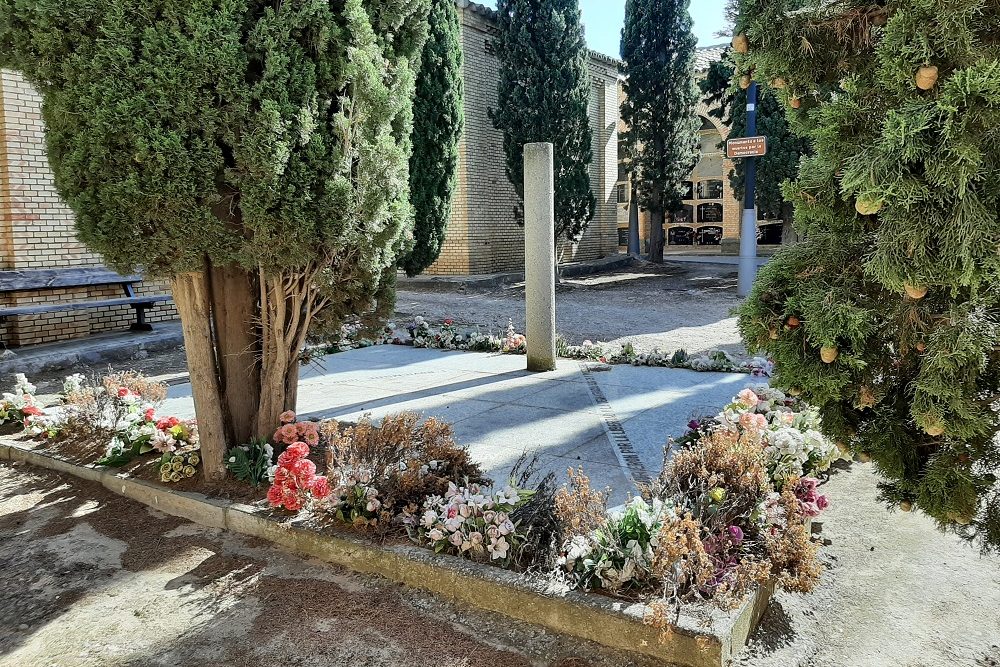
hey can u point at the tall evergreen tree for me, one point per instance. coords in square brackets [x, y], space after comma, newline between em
[542, 96]
[663, 129]
[895, 290]
[437, 127]
[785, 148]
[253, 152]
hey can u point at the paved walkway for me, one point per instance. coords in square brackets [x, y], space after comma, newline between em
[613, 423]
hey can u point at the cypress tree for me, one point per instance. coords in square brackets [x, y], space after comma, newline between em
[784, 147]
[663, 129]
[437, 127]
[253, 152]
[896, 289]
[542, 96]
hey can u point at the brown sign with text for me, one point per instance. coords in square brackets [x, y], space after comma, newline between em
[746, 147]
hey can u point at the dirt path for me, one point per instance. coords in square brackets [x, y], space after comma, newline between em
[670, 306]
[895, 593]
[88, 578]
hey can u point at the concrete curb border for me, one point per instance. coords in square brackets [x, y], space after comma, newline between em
[596, 618]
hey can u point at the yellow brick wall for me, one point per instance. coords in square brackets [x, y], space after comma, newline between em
[483, 236]
[37, 231]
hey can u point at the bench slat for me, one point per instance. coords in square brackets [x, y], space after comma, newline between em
[83, 305]
[33, 279]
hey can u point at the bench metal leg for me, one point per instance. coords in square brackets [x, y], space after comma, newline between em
[140, 323]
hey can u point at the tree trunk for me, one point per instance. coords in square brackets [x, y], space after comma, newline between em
[656, 233]
[235, 299]
[286, 309]
[193, 299]
[788, 234]
[633, 224]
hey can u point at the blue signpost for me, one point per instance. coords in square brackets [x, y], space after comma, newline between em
[748, 228]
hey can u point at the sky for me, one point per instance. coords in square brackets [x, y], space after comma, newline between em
[603, 21]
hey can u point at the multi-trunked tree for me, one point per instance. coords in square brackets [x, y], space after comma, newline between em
[887, 315]
[254, 152]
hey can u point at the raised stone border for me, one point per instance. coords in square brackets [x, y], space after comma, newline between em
[712, 638]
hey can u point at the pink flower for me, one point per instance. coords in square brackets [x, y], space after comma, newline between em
[287, 417]
[304, 468]
[298, 450]
[31, 410]
[148, 416]
[321, 487]
[274, 496]
[286, 434]
[167, 423]
[748, 398]
[293, 504]
[122, 392]
[735, 535]
[822, 503]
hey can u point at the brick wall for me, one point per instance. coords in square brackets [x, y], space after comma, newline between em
[483, 236]
[37, 230]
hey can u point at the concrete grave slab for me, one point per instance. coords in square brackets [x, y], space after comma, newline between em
[613, 423]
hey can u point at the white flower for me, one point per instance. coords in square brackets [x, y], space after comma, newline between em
[115, 446]
[435, 535]
[22, 386]
[579, 547]
[498, 548]
[164, 442]
[429, 518]
[73, 383]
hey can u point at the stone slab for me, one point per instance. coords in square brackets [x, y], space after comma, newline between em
[99, 348]
[500, 410]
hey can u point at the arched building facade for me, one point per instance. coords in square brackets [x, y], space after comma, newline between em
[710, 220]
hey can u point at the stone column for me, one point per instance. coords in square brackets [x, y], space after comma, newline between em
[540, 256]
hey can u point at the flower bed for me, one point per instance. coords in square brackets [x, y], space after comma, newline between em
[728, 515]
[448, 336]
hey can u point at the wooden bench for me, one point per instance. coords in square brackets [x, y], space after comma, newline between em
[49, 279]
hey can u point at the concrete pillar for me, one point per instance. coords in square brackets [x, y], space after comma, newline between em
[540, 256]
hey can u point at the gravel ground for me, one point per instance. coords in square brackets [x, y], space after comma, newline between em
[88, 578]
[668, 306]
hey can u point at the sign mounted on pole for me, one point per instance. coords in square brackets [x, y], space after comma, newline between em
[746, 147]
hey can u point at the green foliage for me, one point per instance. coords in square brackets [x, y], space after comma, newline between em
[250, 463]
[270, 135]
[917, 380]
[437, 127]
[542, 97]
[784, 147]
[663, 135]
